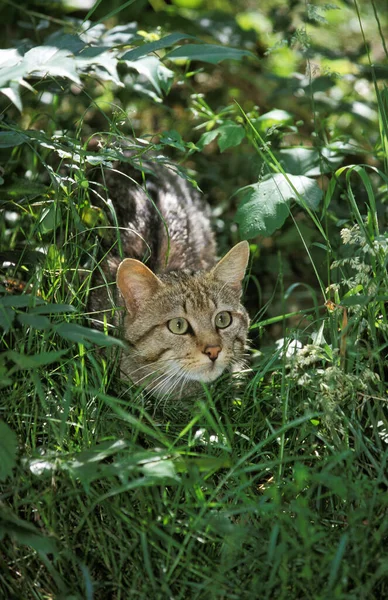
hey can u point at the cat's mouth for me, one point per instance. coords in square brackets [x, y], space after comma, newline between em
[207, 373]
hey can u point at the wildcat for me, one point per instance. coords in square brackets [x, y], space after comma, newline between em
[184, 323]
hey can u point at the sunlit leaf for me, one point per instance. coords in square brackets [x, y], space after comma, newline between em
[157, 74]
[44, 61]
[264, 206]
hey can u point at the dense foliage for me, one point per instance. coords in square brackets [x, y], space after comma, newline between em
[274, 487]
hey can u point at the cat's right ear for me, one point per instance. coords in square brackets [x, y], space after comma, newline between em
[137, 283]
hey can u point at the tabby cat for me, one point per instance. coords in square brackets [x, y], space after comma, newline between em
[184, 323]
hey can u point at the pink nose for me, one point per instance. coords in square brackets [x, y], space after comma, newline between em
[212, 352]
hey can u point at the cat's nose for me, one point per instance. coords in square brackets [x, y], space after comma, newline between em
[212, 352]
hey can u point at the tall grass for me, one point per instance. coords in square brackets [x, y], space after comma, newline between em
[275, 487]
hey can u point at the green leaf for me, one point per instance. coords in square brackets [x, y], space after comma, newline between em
[49, 309]
[273, 117]
[8, 450]
[166, 42]
[7, 316]
[35, 321]
[25, 361]
[230, 134]
[265, 205]
[43, 61]
[24, 533]
[210, 53]
[174, 139]
[13, 93]
[20, 301]
[11, 139]
[309, 161]
[206, 138]
[155, 72]
[356, 300]
[101, 61]
[83, 335]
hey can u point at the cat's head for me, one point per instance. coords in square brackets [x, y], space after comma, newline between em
[183, 327]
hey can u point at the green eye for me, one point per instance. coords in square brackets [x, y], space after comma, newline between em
[223, 319]
[179, 326]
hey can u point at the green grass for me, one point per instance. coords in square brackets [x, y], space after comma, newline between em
[273, 487]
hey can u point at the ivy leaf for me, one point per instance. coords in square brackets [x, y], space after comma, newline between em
[8, 450]
[210, 53]
[265, 205]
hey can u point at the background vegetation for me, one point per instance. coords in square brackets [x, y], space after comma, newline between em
[276, 488]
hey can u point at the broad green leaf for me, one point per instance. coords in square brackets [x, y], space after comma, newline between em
[32, 361]
[13, 93]
[10, 57]
[23, 532]
[35, 321]
[48, 309]
[82, 335]
[210, 53]
[157, 74]
[101, 61]
[44, 61]
[7, 316]
[14, 74]
[10, 139]
[165, 42]
[206, 138]
[264, 206]
[73, 44]
[174, 139]
[8, 450]
[20, 301]
[356, 300]
[311, 162]
[229, 134]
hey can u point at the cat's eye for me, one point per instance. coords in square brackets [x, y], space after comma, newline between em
[223, 319]
[179, 326]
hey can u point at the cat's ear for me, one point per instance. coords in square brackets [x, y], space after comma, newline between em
[231, 269]
[137, 283]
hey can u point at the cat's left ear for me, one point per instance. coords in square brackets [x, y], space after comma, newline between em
[137, 284]
[231, 269]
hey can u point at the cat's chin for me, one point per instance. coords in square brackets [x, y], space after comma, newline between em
[206, 374]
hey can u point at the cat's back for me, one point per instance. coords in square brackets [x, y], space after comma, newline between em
[157, 217]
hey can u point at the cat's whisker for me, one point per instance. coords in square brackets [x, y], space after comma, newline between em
[164, 377]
